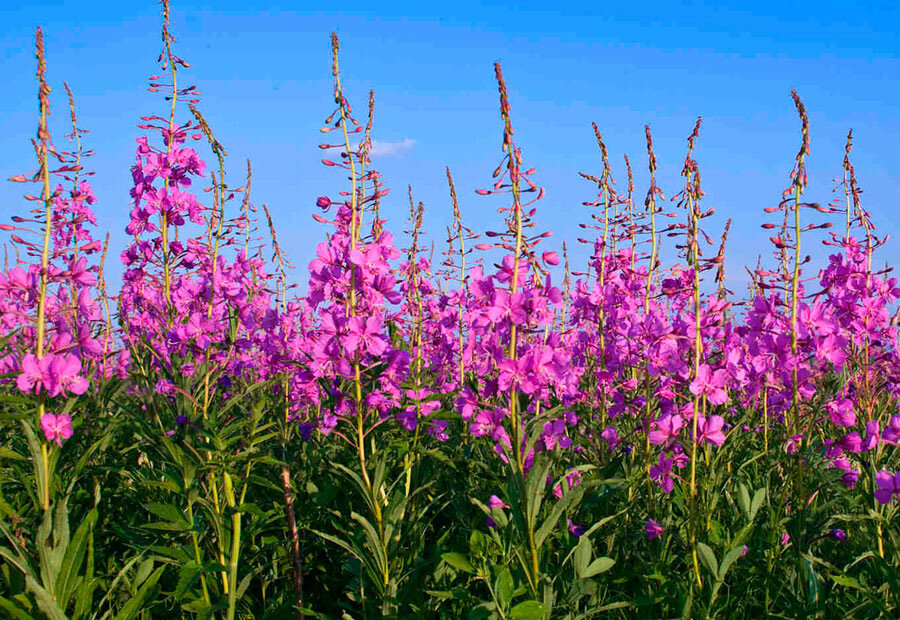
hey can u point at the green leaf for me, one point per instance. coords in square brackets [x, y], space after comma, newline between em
[583, 554]
[730, 558]
[187, 576]
[458, 561]
[504, 587]
[143, 571]
[169, 526]
[134, 604]
[758, 498]
[708, 558]
[337, 541]
[528, 610]
[6, 453]
[843, 580]
[165, 511]
[558, 509]
[71, 564]
[743, 499]
[477, 543]
[15, 611]
[45, 601]
[600, 565]
[375, 547]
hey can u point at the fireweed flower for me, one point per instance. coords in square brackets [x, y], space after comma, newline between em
[850, 475]
[438, 430]
[666, 429]
[661, 473]
[654, 529]
[65, 376]
[364, 334]
[35, 373]
[891, 434]
[574, 529]
[793, 442]
[56, 427]
[710, 429]
[711, 384]
[572, 479]
[841, 412]
[611, 437]
[494, 502]
[888, 486]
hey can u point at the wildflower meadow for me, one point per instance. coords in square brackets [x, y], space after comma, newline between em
[476, 428]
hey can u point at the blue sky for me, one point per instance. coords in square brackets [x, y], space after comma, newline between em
[264, 71]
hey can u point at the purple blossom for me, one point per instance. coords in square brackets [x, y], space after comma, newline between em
[888, 486]
[654, 529]
[56, 427]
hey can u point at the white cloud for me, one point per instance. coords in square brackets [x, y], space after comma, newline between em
[382, 149]
[391, 149]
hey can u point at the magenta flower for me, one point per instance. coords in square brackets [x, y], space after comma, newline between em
[611, 437]
[850, 475]
[891, 433]
[575, 529]
[572, 478]
[496, 502]
[365, 334]
[438, 430]
[506, 306]
[662, 473]
[710, 429]
[852, 442]
[654, 529]
[551, 258]
[710, 384]
[489, 423]
[63, 376]
[873, 434]
[56, 427]
[793, 442]
[516, 373]
[665, 429]
[841, 412]
[888, 486]
[34, 373]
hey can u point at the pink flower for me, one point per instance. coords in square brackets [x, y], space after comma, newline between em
[891, 433]
[710, 429]
[662, 473]
[34, 373]
[64, 377]
[888, 486]
[841, 412]
[610, 436]
[666, 429]
[710, 384]
[496, 502]
[364, 334]
[515, 374]
[575, 529]
[56, 427]
[653, 528]
[572, 478]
